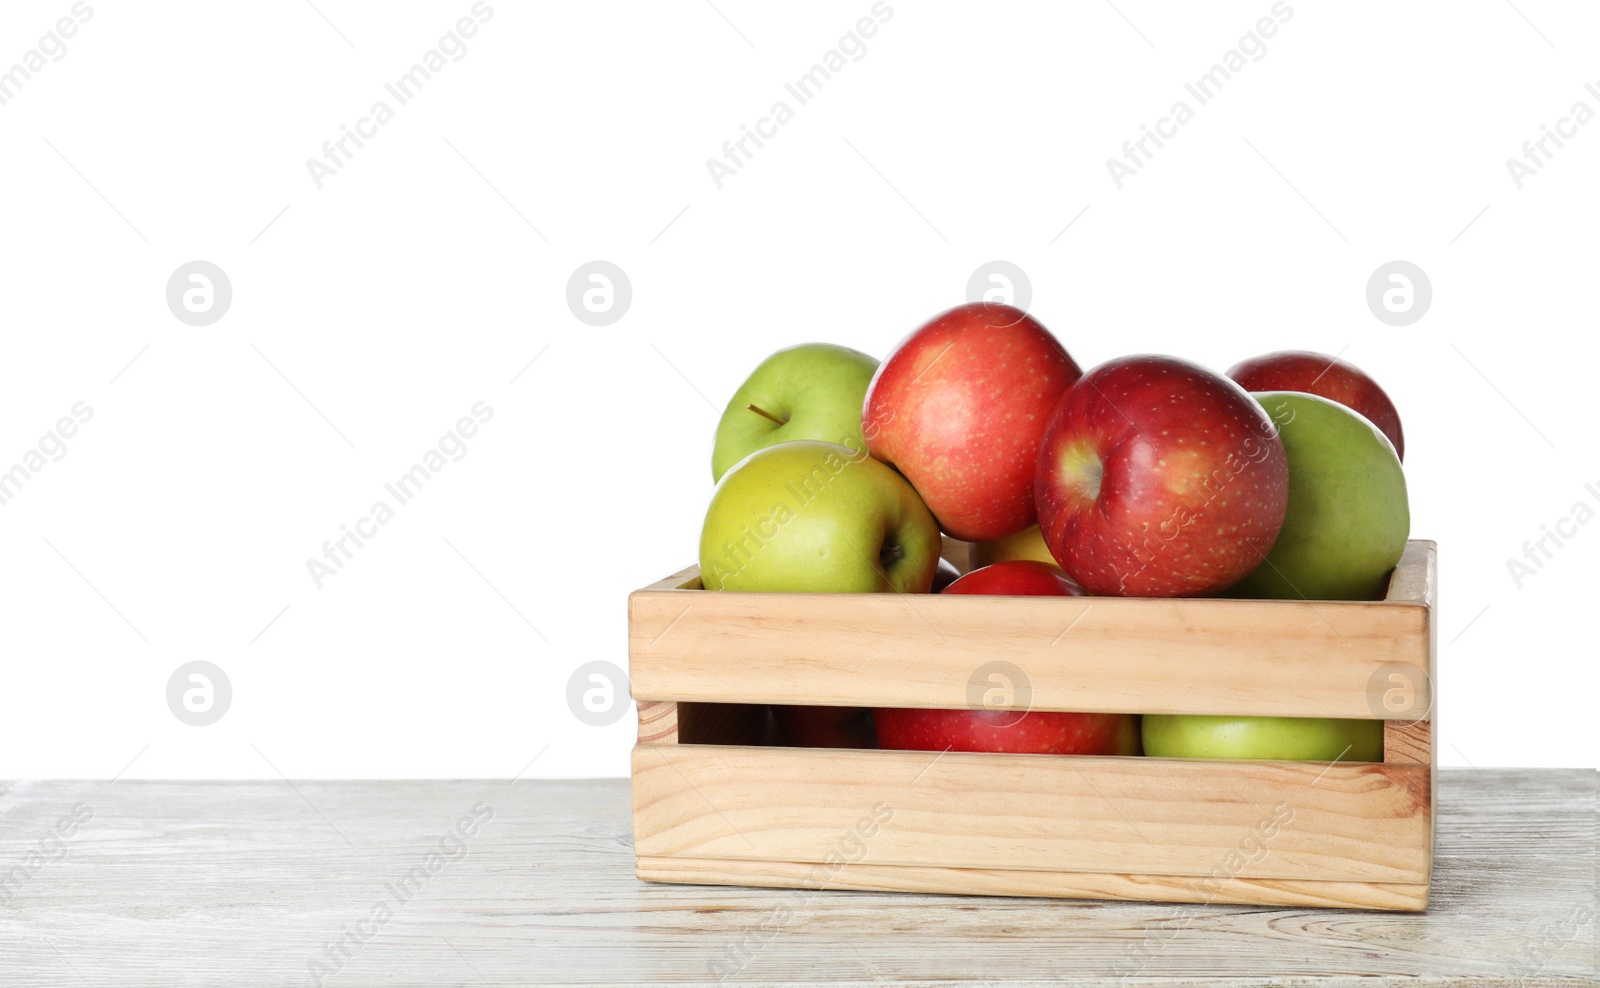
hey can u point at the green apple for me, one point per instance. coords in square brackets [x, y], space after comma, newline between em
[1289, 738]
[810, 391]
[810, 516]
[1026, 544]
[1348, 516]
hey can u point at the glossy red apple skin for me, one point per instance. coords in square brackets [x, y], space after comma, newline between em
[1329, 377]
[1038, 732]
[1024, 732]
[1017, 578]
[1159, 478]
[959, 408]
[825, 727]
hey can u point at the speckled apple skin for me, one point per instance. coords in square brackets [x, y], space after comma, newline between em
[1194, 481]
[1332, 378]
[1036, 732]
[959, 408]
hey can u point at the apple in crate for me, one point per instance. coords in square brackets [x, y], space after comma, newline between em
[1031, 732]
[1348, 515]
[1286, 738]
[810, 391]
[959, 408]
[1330, 377]
[810, 516]
[1159, 478]
[1026, 544]
[1009, 729]
[1018, 578]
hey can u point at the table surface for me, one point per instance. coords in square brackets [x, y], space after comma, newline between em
[257, 883]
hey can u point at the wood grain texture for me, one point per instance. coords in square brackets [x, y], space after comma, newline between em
[865, 876]
[658, 721]
[1148, 816]
[1408, 743]
[1116, 655]
[206, 884]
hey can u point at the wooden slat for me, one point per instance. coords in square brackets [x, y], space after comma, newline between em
[1115, 655]
[1407, 743]
[1430, 596]
[1415, 579]
[864, 876]
[1350, 822]
[658, 721]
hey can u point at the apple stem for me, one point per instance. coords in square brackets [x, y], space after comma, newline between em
[768, 415]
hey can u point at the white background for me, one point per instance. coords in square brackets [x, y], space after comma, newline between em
[426, 275]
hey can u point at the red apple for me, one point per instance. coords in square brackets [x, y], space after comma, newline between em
[1027, 731]
[1158, 478]
[1036, 732]
[825, 727]
[959, 408]
[1018, 578]
[1330, 377]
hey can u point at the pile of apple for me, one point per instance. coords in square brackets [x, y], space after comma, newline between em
[1148, 476]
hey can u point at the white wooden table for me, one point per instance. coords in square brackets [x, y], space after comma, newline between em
[212, 884]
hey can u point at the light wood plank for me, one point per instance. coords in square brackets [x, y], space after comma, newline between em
[658, 721]
[195, 885]
[1415, 579]
[1114, 655]
[1285, 658]
[1300, 820]
[866, 876]
[1407, 743]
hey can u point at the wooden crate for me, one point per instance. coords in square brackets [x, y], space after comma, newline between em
[716, 801]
